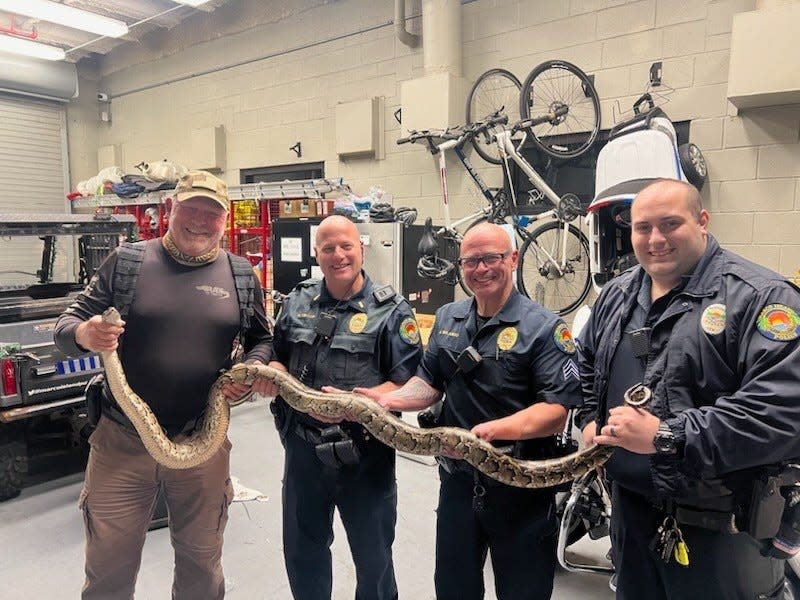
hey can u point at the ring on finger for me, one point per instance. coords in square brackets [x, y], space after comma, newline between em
[612, 431]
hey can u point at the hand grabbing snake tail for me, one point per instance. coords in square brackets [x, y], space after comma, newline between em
[193, 451]
[402, 436]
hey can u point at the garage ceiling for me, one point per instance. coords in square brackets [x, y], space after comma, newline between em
[141, 16]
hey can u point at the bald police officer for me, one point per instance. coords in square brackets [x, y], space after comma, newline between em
[506, 366]
[341, 332]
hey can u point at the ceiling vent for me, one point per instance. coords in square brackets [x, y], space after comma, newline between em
[38, 78]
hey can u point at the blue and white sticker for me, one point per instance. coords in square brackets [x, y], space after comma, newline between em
[76, 365]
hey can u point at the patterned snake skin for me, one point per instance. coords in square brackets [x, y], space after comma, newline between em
[447, 441]
[193, 451]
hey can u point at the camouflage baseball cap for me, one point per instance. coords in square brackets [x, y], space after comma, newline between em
[202, 184]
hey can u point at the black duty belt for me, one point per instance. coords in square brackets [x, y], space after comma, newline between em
[462, 468]
[724, 522]
[334, 446]
[307, 433]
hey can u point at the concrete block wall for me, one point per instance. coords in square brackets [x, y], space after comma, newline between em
[349, 52]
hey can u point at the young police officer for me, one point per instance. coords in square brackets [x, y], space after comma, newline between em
[342, 331]
[506, 366]
[714, 338]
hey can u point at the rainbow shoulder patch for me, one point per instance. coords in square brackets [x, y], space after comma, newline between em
[563, 339]
[409, 331]
[779, 322]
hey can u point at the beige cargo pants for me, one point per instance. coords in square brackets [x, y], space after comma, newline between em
[117, 501]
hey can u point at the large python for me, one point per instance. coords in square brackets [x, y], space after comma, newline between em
[438, 441]
[191, 452]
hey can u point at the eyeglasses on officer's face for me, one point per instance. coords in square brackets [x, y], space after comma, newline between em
[490, 260]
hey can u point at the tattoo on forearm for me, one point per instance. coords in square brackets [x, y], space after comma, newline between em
[418, 390]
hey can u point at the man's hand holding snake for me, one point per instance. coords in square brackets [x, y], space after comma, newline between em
[234, 391]
[329, 389]
[99, 335]
[630, 428]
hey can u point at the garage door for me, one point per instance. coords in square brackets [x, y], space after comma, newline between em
[33, 176]
[32, 155]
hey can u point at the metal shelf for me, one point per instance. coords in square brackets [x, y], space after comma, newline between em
[276, 190]
[111, 200]
[59, 224]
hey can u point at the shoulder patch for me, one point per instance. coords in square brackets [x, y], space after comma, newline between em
[562, 336]
[779, 322]
[409, 331]
[712, 321]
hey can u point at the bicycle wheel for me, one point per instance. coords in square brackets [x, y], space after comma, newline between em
[565, 105]
[457, 251]
[495, 90]
[541, 280]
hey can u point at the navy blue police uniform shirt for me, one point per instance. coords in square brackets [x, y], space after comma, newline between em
[527, 356]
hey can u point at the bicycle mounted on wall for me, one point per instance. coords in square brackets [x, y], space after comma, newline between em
[561, 116]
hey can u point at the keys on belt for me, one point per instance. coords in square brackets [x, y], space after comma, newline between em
[668, 543]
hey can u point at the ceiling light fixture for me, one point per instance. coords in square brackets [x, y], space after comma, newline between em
[191, 2]
[25, 47]
[68, 16]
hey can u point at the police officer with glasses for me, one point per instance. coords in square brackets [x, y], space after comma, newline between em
[506, 366]
[707, 346]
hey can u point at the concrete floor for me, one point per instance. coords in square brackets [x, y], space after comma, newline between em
[41, 533]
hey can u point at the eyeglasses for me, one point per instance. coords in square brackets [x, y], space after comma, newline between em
[490, 260]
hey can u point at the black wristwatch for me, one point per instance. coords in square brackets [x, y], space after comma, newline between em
[664, 440]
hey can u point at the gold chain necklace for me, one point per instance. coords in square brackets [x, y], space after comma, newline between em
[187, 259]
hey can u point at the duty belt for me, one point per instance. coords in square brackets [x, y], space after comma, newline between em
[333, 446]
[461, 467]
[723, 522]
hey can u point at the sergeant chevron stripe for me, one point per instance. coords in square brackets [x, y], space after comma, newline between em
[570, 369]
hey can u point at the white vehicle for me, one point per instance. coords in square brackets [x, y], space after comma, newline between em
[640, 149]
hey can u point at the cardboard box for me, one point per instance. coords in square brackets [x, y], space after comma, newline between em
[297, 208]
[324, 207]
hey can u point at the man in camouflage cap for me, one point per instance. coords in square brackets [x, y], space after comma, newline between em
[182, 316]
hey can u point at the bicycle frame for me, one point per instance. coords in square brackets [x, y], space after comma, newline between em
[457, 146]
[548, 262]
[507, 150]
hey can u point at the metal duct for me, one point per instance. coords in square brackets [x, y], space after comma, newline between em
[38, 78]
[441, 33]
[409, 39]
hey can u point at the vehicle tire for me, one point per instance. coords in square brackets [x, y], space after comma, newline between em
[556, 85]
[693, 164]
[13, 461]
[539, 279]
[495, 90]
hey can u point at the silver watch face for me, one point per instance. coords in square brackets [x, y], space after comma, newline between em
[664, 441]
